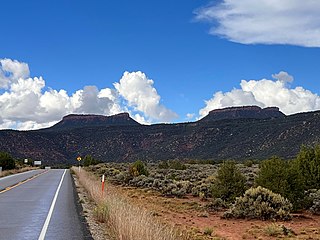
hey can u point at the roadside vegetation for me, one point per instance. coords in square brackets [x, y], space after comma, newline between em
[6, 161]
[271, 190]
[123, 219]
[12, 166]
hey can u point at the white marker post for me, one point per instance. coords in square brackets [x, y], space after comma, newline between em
[102, 181]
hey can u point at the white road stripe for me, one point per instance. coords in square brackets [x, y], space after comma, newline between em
[46, 223]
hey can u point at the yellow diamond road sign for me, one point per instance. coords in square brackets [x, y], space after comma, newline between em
[79, 158]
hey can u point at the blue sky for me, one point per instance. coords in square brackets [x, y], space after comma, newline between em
[191, 49]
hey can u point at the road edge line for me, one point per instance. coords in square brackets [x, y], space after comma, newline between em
[46, 223]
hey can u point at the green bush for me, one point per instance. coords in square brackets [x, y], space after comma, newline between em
[272, 175]
[174, 190]
[283, 177]
[163, 165]
[6, 161]
[248, 163]
[230, 182]
[203, 188]
[89, 160]
[216, 205]
[172, 164]
[309, 165]
[138, 168]
[260, 203]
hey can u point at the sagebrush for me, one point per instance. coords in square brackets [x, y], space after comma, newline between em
[260, 203]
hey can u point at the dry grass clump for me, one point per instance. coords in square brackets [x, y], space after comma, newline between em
[275, 230]
[126, 221]
[15, 171]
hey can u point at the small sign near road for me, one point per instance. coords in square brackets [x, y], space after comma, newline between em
[79, 159]
[37, 163]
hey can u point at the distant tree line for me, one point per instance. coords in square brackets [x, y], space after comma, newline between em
[89, 160]
[6, 161]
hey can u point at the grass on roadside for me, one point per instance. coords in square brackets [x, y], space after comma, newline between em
[125, 220]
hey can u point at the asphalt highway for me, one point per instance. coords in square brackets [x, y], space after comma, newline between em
[44, 207]
[14, 179]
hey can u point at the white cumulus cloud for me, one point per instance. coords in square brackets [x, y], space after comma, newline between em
[292, 22]
[266, 93]
[11, 71]
[140, 94]
[26, 102]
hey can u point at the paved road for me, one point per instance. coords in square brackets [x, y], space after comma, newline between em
[42, 208]
[14, 179]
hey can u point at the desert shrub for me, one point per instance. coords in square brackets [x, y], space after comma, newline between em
[186, 185]
[203, 188]
[282, 177]
[158, 185]
[142, 181]
[172, 164]
[230, 182]
[177, 165]
[272, 175]
[138, 168]
[110, 172]
[6, 161]
[216, 204]
[89, 160]
[101, 170]
[315, 198]
[163, 165]
[248, 163]
[309, 165]
[198, 161]
[176, 189]
[208, 231]
[249, 172]
[260, 203]
[170, 189]
[275, 230]
[121, 178]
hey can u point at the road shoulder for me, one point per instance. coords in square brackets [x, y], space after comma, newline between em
[98, 230]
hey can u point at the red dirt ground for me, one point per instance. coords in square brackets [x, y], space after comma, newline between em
[189, 215]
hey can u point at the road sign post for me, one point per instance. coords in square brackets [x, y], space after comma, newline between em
[79, 159]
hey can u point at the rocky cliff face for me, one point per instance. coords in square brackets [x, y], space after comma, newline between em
[78, 120]
[232, 138]
[253, 112]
